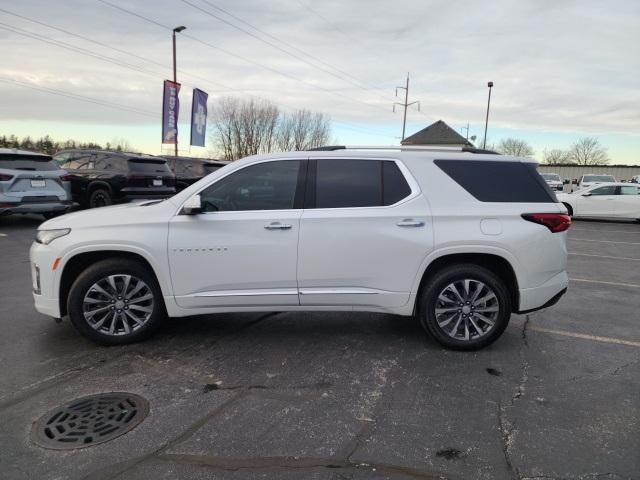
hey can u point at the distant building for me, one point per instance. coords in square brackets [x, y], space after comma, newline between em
[438, 133]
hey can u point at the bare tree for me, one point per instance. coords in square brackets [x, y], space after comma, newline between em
[588, 151]
[557, 156]
[247, 127]
[302, 130]
[515, 147]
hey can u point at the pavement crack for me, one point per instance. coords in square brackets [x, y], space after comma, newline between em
[507, 433]
[292, 463]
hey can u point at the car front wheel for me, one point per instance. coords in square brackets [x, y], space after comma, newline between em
[99, 198]
[115, 302]
[465, 307]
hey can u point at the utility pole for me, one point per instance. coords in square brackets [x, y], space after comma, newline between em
[175, 77]
[406, 104]
[467, 129]
[486, 121]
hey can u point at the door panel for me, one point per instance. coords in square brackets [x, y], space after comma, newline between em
[601, 202]
[231, 259]
[361, 256]
[628, 202]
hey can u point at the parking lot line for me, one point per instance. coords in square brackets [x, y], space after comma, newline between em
[632, 285]
[603, 241]
[595, 338]
[573, 229]
[3, 234]
[603, 256]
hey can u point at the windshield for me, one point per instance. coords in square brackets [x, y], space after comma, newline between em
[551, 176]
[598, 178]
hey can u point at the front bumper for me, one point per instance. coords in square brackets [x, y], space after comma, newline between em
[44, 279]
[545, 295]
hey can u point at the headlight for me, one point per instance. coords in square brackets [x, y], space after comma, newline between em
[47, 236]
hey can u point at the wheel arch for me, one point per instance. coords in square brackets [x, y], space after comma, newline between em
[79, 261]
[494, 262]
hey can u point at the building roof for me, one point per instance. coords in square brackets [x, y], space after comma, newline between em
[438, 133]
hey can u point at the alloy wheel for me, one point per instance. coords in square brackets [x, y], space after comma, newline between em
[467, 309]
[118, 304]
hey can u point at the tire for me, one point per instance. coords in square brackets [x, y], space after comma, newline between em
[493, 295]
[99, 197]
[123, 325]
[569, 209]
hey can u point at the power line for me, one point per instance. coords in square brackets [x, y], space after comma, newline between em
[84, 98]
[237, 56]
[358, 83]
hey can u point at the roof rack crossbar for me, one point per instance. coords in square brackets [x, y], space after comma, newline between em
[430, 148]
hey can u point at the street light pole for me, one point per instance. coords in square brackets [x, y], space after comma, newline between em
[486, 121]
[175, 76]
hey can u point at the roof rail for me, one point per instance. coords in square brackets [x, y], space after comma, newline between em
[418, 148]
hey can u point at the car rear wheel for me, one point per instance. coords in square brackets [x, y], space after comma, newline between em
[465, 307]
[115, 302]
[100, 198]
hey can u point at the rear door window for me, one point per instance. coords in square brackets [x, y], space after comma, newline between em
[629, 190]
[344, 183]
[608, 190]
[499, 181]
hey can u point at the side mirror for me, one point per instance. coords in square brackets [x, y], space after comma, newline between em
[193, 206]
[587, 194]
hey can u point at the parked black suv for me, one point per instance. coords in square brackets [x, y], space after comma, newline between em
[102, 177]
[189, 170]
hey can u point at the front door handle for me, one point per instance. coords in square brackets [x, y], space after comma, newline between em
[278, 226]
[409, 222]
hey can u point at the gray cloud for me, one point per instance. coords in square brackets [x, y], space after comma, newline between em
[565, 65]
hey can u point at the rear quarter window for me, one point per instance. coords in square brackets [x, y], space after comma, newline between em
[492, 181]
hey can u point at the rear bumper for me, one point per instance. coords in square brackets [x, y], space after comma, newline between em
[545, 295]
[32, 207]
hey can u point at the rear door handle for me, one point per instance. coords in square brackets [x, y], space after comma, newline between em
[409, 222]
[278, 226]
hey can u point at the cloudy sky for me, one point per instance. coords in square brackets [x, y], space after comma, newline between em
[93, 69]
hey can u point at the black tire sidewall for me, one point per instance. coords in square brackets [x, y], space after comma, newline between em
[457, 272]
[95, 193]
[112, 267]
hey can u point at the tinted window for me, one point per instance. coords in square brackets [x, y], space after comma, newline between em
[491, 181]
[598, 178]
[140, 165]
[394, 185]
[608, 190]
[348, 183]
[27, 162]
[551, 177]
[629, 190]
[265, 186]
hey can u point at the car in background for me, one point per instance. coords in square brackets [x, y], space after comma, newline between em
[553, 180]
[189, 170]
[592, 179]
[635, 179]
[32, 183]
[604, 200]
[101, 177]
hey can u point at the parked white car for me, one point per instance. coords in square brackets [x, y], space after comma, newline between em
[553, 180]
[604, 200]
[461, 240]
[591, 179]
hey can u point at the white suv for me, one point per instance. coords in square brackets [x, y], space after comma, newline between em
[461, 240]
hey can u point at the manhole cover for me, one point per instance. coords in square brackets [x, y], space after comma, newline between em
[90, 420]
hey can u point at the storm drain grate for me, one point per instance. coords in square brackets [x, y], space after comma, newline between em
[90, 420]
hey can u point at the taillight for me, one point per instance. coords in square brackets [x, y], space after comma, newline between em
[556, 222]
[65, 178]
[5, 178]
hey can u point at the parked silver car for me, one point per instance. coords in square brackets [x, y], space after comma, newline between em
[32, 183]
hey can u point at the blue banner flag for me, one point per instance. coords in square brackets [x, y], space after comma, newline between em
[198, 117]
[170, 109]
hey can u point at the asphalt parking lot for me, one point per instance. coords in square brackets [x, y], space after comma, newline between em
[342, 396]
